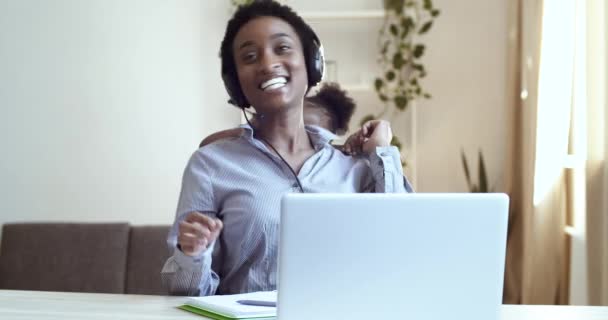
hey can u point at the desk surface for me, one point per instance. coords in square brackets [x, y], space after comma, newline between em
[25, 305]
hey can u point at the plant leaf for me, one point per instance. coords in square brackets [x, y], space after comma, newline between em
[465, 167]
[401, 102]
[385, 47]
[395, 142]
[390, 76]
[407, 22]
[428, 5]
[418, 67]
[425, 27]
[483, 178]
[383, 97]
[435, 12]
[393, 29]
[418, 51]
[405, 29]
[395, 5]
[378, 84]
[367, 118]
[398, 61]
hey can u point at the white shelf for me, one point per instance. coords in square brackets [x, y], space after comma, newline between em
[357, 87]
[342, 15]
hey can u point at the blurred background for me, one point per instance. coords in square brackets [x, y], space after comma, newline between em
[102, 103]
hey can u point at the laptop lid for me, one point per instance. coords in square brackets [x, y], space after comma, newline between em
[392, 256]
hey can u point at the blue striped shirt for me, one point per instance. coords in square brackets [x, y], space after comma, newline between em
[240, 181]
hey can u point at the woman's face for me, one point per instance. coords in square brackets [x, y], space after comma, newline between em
[270, 64]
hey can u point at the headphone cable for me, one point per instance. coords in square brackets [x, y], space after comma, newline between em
[295, 175]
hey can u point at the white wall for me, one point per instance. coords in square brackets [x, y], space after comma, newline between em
[101, 104]
[466, 57]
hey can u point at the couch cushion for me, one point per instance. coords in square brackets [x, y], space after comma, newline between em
[147, 255]
[64, 257]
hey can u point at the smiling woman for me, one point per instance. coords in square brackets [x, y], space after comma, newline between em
[271, 69]
[225, 235]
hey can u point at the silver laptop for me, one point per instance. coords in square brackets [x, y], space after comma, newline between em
[389, 256]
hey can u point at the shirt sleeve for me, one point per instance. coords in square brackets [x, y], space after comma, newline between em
[183, 274]
[387, 171]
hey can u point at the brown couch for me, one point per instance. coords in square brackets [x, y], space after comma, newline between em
[83, 257]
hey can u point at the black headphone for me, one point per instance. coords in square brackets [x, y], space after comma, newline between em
[315, 65]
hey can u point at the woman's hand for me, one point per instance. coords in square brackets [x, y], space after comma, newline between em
[373, 133]
[196, 232]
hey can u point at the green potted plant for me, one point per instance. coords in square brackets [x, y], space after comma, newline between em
[482, 184]
[236, 3]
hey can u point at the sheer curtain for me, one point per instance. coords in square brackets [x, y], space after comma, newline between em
[542, 61]
[557, 176]
[595, 217]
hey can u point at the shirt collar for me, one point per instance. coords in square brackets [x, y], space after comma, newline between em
[319, 137]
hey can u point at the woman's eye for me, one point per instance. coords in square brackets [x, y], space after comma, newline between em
[249, 57]
[283, 48]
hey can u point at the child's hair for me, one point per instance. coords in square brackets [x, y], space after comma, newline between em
[337, 103]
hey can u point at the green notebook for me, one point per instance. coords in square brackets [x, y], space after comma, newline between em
[216, 316]
[227, 307]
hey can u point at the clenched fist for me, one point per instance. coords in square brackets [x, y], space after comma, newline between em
[196, 232]
[373, 133]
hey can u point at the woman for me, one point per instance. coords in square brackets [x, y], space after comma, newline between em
[330, 109]
[225, 235]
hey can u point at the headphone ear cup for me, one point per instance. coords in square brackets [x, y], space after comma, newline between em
[320, 63]
[234, 91]
[316, 64]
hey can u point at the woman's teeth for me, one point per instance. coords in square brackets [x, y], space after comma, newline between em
[274, 86]
[274, 83]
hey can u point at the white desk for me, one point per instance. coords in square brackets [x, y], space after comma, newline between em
[37, 305]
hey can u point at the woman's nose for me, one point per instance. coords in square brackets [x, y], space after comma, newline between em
[269, 63]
